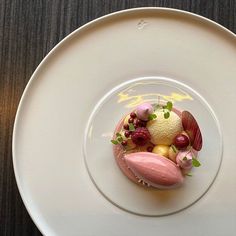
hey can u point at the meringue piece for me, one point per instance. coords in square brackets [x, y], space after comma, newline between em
[154, 169]
[184, 159]
[144, 110]
[163, 131]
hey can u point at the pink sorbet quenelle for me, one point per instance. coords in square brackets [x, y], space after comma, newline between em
[144, 110]
[155, 170]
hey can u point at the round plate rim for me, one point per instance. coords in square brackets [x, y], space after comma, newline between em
[55, 48]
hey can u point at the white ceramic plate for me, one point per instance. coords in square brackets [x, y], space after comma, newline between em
[114, 51]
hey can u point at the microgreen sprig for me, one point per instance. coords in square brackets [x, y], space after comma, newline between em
[115, 142]
[167, 109]
[152, 116]
[175, 150]
[119, 139]
[189, 174]
[168, 106]
[167, 115]
[195, 162]
[131, 127]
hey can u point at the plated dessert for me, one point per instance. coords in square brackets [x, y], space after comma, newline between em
[157, 145]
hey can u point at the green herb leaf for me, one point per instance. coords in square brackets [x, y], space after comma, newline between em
[195, 162]
[189, 174]
[169, 106]
[118, 135]
[114, 142]
[152, 116]
[166, 115]
[131, 127]
[174, 148]
[120, 139]
[185, 158]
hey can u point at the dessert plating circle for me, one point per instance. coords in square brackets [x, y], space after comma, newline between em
[105, 173]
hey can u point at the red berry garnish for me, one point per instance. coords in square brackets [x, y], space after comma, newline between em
[133, 115]
[181, 141]
[127, 133]
[140, 136]
[126, 126]
[124, 143]
[131, 120]
[149, 149]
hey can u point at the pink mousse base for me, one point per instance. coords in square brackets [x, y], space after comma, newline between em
[118, 152]
[119, 156]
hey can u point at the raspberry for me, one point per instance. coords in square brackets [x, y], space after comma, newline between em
[133, 115]
[127, 133]
[126, 126]
[130, 120]
[141, 136]
[124, 143]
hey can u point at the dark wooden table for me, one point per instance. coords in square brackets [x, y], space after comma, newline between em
[29, 29]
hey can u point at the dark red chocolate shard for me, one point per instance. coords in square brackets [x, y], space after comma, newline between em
[191, 127]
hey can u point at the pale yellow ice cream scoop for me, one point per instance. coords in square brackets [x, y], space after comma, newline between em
[163, 130]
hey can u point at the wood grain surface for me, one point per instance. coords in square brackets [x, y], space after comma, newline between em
[29, 29]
